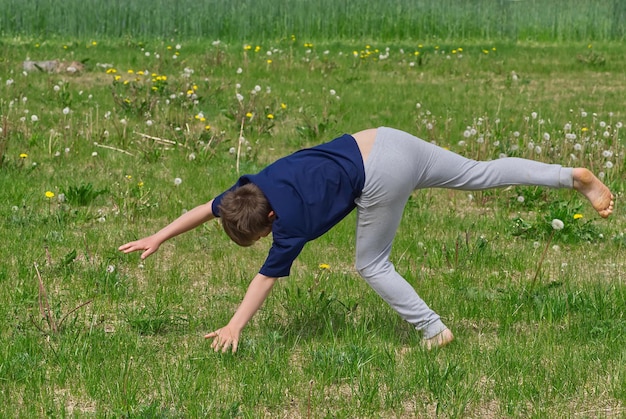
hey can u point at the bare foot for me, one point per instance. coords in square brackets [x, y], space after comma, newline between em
[594, 190]
[438, 341]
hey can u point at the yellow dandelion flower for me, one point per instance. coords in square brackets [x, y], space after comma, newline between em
[140, 184]
[203, 119]
[578, 216]
[194, 87]
[118, 77]
[129, 177]
[23, 155]
[584, 129]
[416, 53]
[64, 46]
[324, 266]
[269, 61]
[207, 127]
[49, 194]
[460, 49]
[131, 72]
[169, 47]
[154, 88]
[189, 92]
[247, 47]
[493, 49]
[94, 43]
[485, 51]
[249, 115]
[140, 73]
[420, 46]
[270, 116]
[257, 48]
[126, 82]
[36, 45]
[283, 106]
[111, 71]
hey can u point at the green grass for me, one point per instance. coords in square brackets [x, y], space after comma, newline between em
[125, 338]
[421, 20]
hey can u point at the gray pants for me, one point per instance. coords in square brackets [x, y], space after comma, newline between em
[400, 163]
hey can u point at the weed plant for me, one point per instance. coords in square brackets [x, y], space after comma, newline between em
[91, 160]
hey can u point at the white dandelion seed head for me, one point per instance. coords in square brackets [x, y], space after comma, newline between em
[602, 124]
[177, 181]
[516, 134]
[557, 224]
[429, 126]
[608, 165]
[102, 219]
[601, 175]
[257, 88]
[538, 149]
[94, 154]
[232, 150]
[66, 110]
[583, 114]
[578, 147]
[239, 70]
[239, 97]
[34, 118]
[332, 92]
[606, 134]
[534, 115]
[567, 127]
[191, 157]
[556, 248]
[61, 197]
[520, 199]
[467, 133]
[607, 153]
[536, 245]
[461, 143]
[418, 105]
[531, 145]
[110, 269]
[619, 125]
[56, 88]
[546, 136]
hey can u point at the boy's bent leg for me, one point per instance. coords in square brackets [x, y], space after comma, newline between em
[379, 210]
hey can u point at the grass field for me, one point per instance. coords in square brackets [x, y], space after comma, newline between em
[149, 129]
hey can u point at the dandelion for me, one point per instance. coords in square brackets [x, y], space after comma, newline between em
[608, 165]
[557, 224]
[324, 266]
[270, 116]
[191, 157]
[49, 194]
[546, 136]
[110, 269]
[520, 199]
[239, 97]
[249, 115]
[23, 155]
[577, 216]
[178, 181]
[34, 118]
[283, 106]
[66, 110]
[332, 92]
[232, 150]
[94, 154]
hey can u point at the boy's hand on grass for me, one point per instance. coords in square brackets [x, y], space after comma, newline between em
[224, 338]
[148, 244]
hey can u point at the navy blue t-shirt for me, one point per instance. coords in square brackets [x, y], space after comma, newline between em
[310, 191]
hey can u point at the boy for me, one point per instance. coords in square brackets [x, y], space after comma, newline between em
[300, 197]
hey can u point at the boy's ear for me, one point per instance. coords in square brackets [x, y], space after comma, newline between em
[271, 215]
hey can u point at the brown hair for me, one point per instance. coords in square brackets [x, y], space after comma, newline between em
[245, 214]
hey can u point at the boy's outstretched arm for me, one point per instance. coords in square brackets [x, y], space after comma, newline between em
[189, 220]
[228, 336]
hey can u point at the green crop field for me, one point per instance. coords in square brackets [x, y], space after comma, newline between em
[169, 104]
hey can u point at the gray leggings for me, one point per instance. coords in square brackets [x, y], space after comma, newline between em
[400, 163]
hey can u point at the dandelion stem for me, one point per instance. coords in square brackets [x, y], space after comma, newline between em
[543, 256]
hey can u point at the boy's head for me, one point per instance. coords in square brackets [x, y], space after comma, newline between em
[246, 214]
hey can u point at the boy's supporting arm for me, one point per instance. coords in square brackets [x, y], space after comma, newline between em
[189, 220]
[228, 336]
